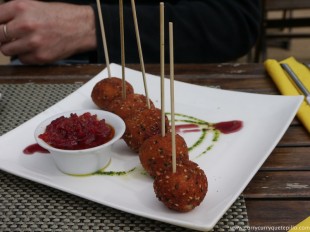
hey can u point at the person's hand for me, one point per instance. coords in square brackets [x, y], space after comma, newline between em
[40, 32]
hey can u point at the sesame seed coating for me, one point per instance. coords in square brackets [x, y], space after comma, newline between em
[131, 105]
[156, 153]
[107, 90]
[183, 190]
[142, 126]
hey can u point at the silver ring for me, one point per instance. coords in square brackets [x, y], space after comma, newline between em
[5, 32]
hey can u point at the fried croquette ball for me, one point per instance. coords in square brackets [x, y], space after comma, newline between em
[132, 104]
[156, 153]
[106, 90]
[142, 126]
[183, 190]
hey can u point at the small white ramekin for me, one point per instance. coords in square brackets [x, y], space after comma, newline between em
[86, 161]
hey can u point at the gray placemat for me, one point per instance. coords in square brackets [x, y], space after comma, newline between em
[29, 206]
[21, 102]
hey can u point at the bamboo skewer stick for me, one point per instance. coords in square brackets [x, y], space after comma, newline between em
[104, 40]
[121, 18]
[171, 49]
[134, 13]
[162, 67]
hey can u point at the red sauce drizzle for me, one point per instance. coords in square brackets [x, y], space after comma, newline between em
[229, 126]
[190, 130]
[31, 149]
[224, 127]
[186, 128]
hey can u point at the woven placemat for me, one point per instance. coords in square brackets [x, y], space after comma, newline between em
[29, 206]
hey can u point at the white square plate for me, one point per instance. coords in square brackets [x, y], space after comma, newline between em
[229, 165]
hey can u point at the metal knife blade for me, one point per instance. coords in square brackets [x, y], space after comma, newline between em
[296, 80]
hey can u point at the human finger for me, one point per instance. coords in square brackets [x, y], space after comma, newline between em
[25, 56]
[26, 52]
[7, 11]
[4, 34]
[29, 58]
[15, 47]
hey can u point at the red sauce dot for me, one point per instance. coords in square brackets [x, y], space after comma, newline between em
[31, 149]
[229, 126]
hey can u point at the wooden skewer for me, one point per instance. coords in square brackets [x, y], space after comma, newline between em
[172, 97]
[121, 18]
[104, 40]
[134, 13]
[162, 67]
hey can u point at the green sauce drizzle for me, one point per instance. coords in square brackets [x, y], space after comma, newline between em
[114, 173]
[199, 141]
[204, 126]
[216, 135]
